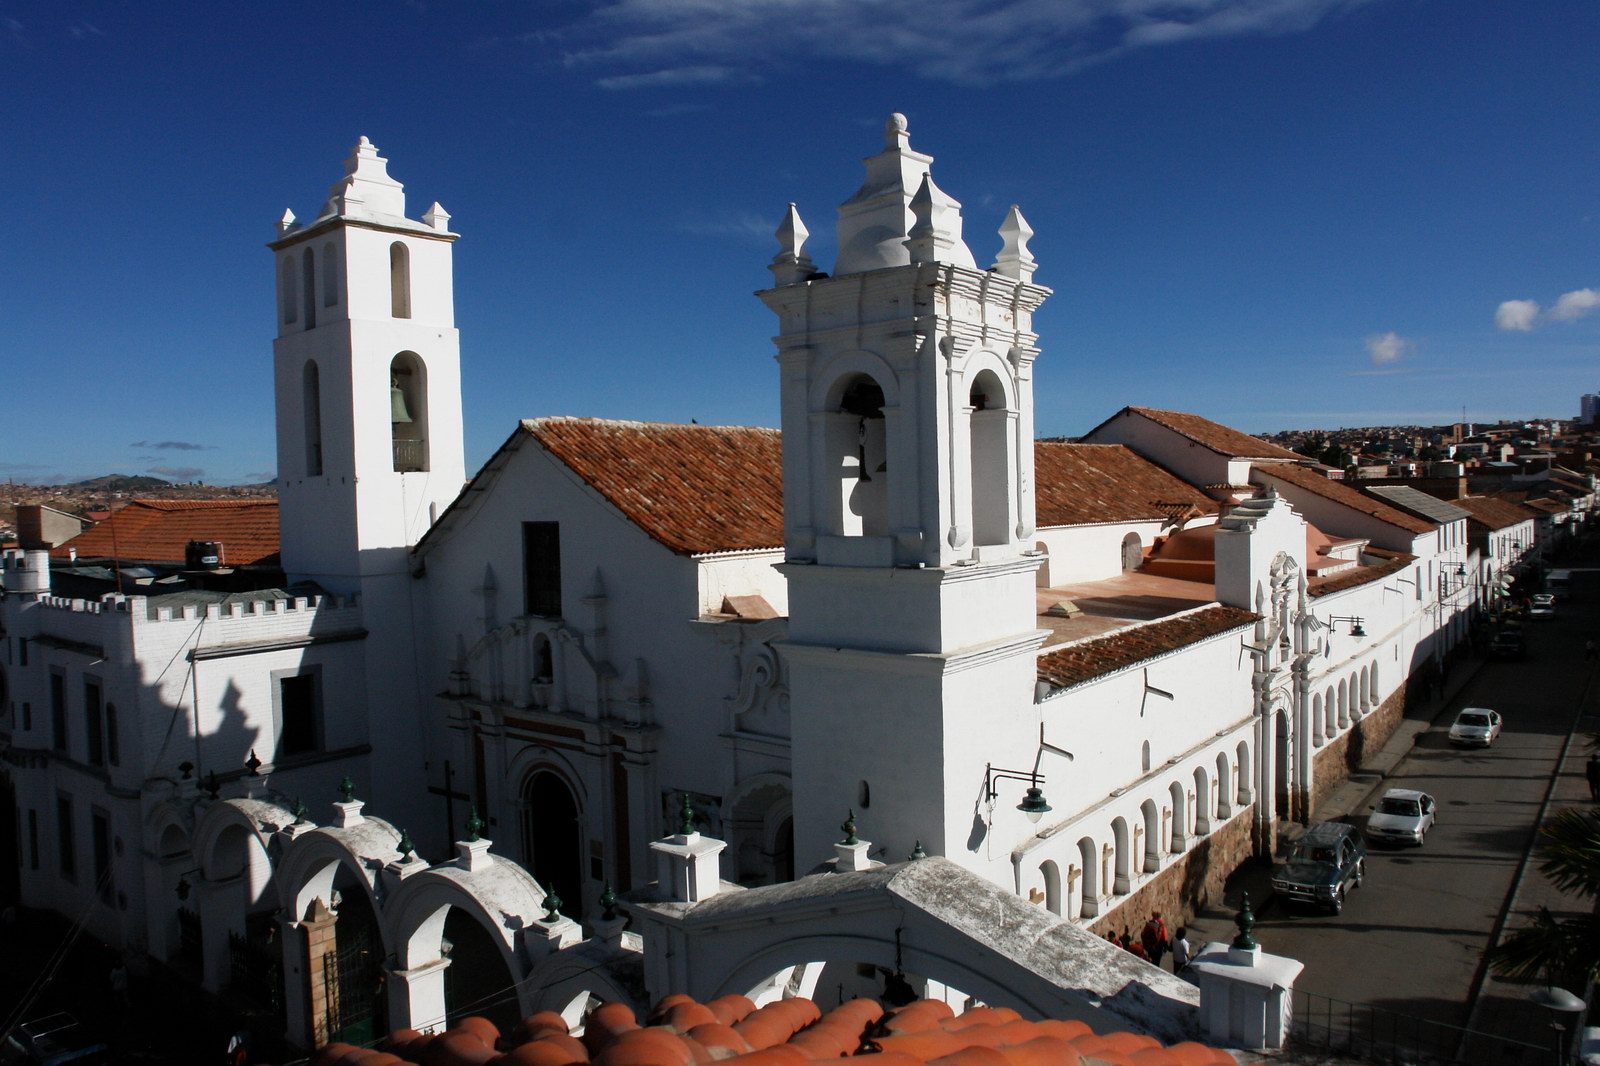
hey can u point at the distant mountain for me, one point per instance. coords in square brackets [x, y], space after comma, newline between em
[120, 483]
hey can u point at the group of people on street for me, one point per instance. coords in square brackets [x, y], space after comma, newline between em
[1154, 943]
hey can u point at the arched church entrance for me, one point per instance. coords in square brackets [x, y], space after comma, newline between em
[553, 838]
[1280, 763]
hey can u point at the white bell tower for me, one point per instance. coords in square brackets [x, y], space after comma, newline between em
[368, 379]
[907, 405]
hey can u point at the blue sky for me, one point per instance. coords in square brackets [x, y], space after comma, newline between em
[1275, 213]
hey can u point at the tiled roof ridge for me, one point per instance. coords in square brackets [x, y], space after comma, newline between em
[1365, 575]
[1181, 423]
[532, 424]
[733, 1029]
[203, 505]
[1083, 660]
[1495, 513]
[1337, 491]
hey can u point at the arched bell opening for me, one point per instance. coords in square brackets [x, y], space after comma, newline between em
[408, 412]
[858, 458]
[991, 430]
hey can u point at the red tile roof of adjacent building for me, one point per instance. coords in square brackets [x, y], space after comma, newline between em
[1304, 477]
[1098, 656]
[1081, 483]
[1349, 579]
[1492, 513]
[695, 489]
[787, 1032]
[1208, 434]
[158, 531]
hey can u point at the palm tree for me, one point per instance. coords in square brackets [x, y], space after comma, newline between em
[1564, 951]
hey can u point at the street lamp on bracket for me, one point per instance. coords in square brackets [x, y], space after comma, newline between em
[1033, 802]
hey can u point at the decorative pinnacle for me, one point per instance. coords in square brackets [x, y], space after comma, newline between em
[686, 816]
[552, 907]
[917, 852]
[286, 223]
[849, 829]
[187, 768]
[1246, 921]
[474, 826]
[347, 789]
[608, 903]
[212, 786]
[298, 811]
[1015, 260]
[404, 846]
[252, 764]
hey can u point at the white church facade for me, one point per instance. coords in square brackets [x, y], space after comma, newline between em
[1094, 677]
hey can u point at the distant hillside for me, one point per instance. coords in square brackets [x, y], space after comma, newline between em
[120, 483]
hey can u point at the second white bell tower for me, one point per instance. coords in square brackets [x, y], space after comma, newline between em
[907, 405]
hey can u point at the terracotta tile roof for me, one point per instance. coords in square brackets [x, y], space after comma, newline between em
[1304, 477]
[1219, 438]
[788, 1032]
[1492, 513]
[1393, 563]
[695, 489]
[157, 531]
[1096, 657]
[1079, 483]
[1547, 506]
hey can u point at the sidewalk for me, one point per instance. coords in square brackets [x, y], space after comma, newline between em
[1216, 921]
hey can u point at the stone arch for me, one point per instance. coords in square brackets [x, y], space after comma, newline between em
[1052, 886]
[1316, 719]
[1283, 758]
[308, 279]
[1344, 702]
[1202, 801]
[311, 416]
[399, 280]
[1377, 691]
[755, 968]
[1366, 690]
[554, 835]
[1123, 854]
[1180, 818]
[1041, 576]
[1090, 887]
[486, 910]
[169, 830]
[1151, 818]
[760, 847]
[231, 849]
[991, 428]
[1224, 786]
[1245, 794]
[317, 864]
[1132, 552]
[1330, 713]
[1144, 757]
[408, 410]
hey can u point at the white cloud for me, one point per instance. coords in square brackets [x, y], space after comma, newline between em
[1386, 348]
[1575, 304]
[1518, 315]
[634, 44]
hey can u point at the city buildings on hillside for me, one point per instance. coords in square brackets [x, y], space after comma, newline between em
[1089, 678]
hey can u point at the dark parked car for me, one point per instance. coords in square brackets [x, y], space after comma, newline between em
[52, 1041]
[1507, 644]
[1323, 866]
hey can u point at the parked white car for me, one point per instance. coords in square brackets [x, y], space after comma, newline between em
[1543, 607]
[1403, 815]
[1475, 725]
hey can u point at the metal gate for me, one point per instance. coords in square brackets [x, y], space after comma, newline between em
[353, 981]
[256, 972]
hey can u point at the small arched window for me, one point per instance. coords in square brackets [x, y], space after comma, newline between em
[1132, 552]
[330, 275]
[399, 280]
[311, 411]
[991, 460]
[309, 270]
[288, 290]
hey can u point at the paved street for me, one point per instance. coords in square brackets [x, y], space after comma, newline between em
[1412, 938]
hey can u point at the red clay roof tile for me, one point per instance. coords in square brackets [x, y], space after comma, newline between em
[1081, 483]
[1219, 438]
[914, 1035]
[1305, 477]
[1098, 656]
[158, 531]
[695, 489]
[1492, 513]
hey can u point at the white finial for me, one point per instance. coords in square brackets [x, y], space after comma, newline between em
[791, 264]
[927, 242]
[437, 217]
[364, 145]
[1015, 260]
[895, 133]
[286, 223]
